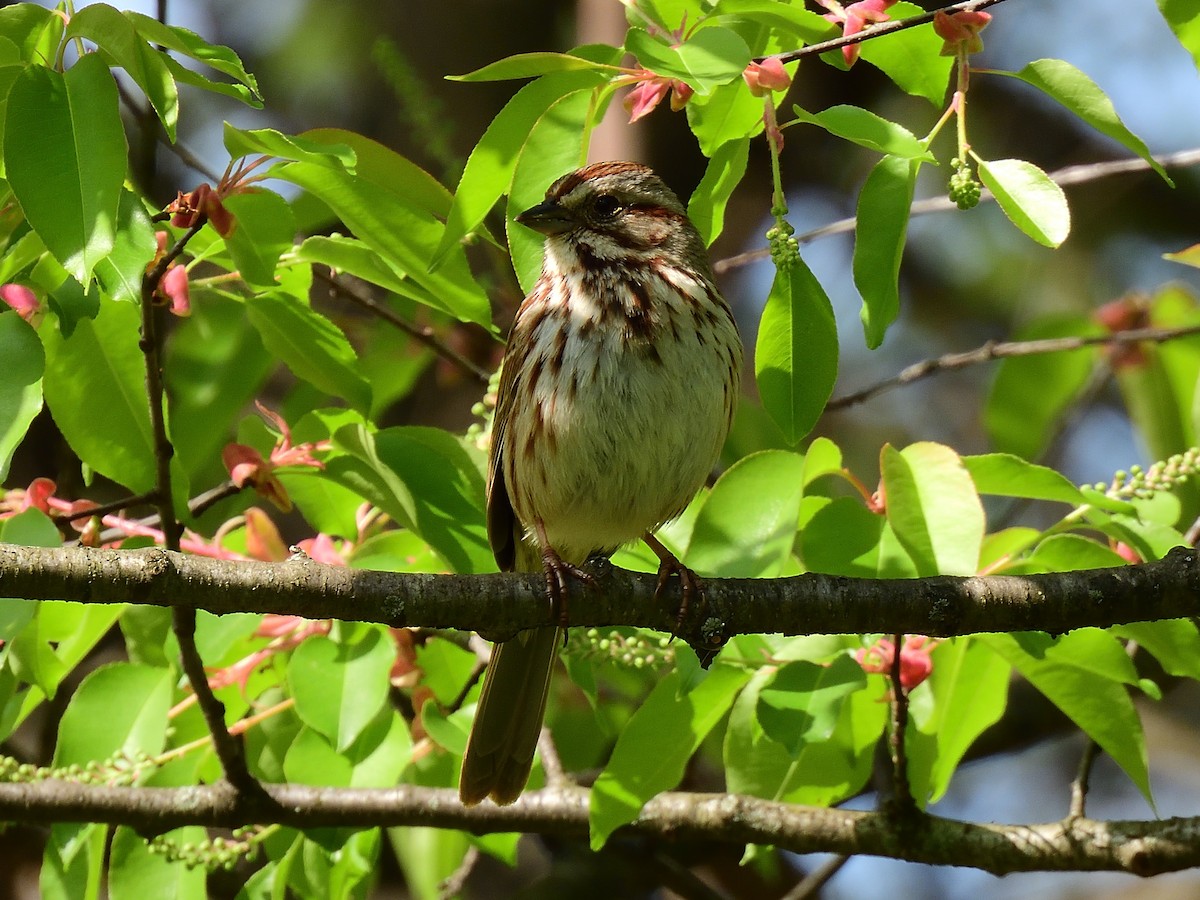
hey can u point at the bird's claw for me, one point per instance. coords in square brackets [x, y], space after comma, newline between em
[691, 588]
[557, 574]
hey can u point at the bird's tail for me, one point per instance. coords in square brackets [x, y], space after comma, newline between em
[512, 704]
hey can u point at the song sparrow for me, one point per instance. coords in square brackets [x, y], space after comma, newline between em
[617, 392]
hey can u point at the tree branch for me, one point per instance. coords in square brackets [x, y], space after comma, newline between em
[183, 619]
[1079, 174]
[1142, 848]
[993, 350]
[876, 31]
[502, 604]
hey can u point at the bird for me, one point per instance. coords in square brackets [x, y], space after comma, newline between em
[617, 391]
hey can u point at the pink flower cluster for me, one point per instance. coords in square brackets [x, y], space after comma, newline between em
[916, 663]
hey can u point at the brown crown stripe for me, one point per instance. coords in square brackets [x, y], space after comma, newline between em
[568, 183]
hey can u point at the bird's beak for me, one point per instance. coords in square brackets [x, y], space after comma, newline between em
[548, 217]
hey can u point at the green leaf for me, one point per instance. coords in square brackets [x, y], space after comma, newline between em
[264, 229]
[823, 772]
[489, 169]
[802, 703]
[1069, 553]
[183, 75]
[1084, 674]
[73, 864]
[656, 744]
[35, 30]
[116, 35]
[883, 209]
[121, 271]
[285, 146]
[95, 386]
[1033, 202]
[1061, 81]
[385, 166]
[1184, 18]
[933, 508]
[843, 538]
[68, 125]
[709, 58]
[21, 388]
[396, 224]
[172, 37]
[795, 360]
[135, 873]
[748, 523]
[447, 493]
[868, 130]
[530, 65]
[310, 345]
[801, 23]
[553, 147]
[312, 760]
[1031, 392]
[215, 365]
[911, 57]
[352, 256]
[1175, 643]
[340, 687]
[117, 707]
[706, 207]
[1006, 475]
[381, 752]
[729, 113]
[969, 687]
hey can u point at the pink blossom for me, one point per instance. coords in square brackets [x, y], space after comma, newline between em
[916, 663]
[650, 91]
[764, 77]
[854, 18]
[247, 466]
[322, 549]
[643, 98]
[263, 541]
[23, 301]
[960, 29]
[174, 287]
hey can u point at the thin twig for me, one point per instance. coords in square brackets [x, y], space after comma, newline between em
[816, 879]
[1193, 533]
[902, 798]
[993, 350]
[228, 748]
[197, 506]
[114, 506]
[425, 335]
[556, 775]
[454, 883]
[1079, 174]
[1079, 787]
[880, 30]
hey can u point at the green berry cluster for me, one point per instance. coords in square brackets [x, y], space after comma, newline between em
[785, 249]
[211, 853]
[1164, 475]
[121, 770]
[480, 433]
[633, 648]
[964, 188]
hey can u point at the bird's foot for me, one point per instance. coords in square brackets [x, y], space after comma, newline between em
[690, 586]
[558, 573]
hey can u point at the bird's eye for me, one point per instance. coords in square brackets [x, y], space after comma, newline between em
[605, 206]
